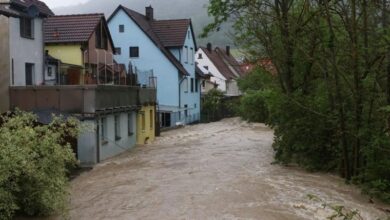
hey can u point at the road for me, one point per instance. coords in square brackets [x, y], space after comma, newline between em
[220, 170]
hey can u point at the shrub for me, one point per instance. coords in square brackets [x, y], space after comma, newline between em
[33, 164]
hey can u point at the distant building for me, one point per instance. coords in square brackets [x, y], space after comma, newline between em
[223, 68]
[21, 45]
[164, 51]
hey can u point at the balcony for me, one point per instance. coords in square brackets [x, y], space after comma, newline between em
[78, 99]
[147, 96]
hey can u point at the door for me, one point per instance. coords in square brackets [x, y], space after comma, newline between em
[29, 74]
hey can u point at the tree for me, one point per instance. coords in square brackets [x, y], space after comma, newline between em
[330, 111]
[34, 163]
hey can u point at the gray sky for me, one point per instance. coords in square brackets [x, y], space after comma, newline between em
[61, 3]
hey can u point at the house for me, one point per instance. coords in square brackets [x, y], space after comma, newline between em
[161, 51]
[21, 45]
[82, 80]
[223, 67]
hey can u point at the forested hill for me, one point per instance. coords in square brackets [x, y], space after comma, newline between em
[163, 9]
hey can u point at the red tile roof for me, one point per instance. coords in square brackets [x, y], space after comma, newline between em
[172, 33]
[70, 28]
[227, 65]
[147, 27]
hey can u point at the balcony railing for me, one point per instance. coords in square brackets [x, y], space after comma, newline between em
[86, 99]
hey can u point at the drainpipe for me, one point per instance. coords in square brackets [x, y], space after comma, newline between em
[181, 81]
[97, 139]
[43, 52]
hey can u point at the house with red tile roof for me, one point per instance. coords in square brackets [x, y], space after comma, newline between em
[83, 45]
[21, 45]
[223, 68]
[79, 77]
[165, 48]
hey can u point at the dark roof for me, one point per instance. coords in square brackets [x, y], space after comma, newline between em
[147, 27]
[7, 11]
[19, 8]
[227, 65]
[72, 28]
[200, 73]
[172, 33]
[42, 7]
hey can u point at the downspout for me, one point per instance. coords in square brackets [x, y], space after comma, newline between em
[181, 81]
[44, 54]
[97, 139]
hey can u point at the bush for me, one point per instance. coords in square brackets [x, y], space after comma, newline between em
[212, 106]
[33, 164]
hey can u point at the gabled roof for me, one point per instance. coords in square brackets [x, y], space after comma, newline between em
[17, 8]
[42, 7]
[172, 33]
[73, 28]
[227, 65]
[147, 27]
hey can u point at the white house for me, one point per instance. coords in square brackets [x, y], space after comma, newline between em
[21, 45]
[223, 68]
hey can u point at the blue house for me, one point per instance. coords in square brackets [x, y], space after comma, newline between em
[162, 53]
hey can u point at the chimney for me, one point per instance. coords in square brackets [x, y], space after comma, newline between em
[228, 50]
[149, 13]
[209, 47]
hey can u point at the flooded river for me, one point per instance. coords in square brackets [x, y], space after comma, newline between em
[220, 170]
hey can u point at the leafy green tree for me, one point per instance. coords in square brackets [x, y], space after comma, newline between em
[330, 107]
[34, 163]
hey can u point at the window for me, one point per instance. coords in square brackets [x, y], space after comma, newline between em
[195, 105]
[192, 56]
[143, 124]
[200, 56]
[129, 125]
[189, 34]
[118, 51]
[103, 130]
[27, 28]
[186, 54]
[49, 71]
[101, 37]
[197, 85]
[134, 52]
[30, 74]
[185, 85]
[186, 111]
[192, 84]
[117, 127]
[151, 119]
[121, 28]
[206, 67]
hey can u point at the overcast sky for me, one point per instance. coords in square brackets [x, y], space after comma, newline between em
[60, 3]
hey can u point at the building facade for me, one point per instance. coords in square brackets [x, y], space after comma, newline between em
[223, 69]
[165, 49]
[21, 45]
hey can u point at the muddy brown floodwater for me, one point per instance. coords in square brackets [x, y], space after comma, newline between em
[220, 170]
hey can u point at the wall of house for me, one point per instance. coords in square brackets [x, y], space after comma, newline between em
[217, 76]
[150, 57]
[232, 88]
[24, 50]
[87, 144]
[95, 55]
[114, 147]
[69, 54]
[5, 64]
[146, 134]
[189, 98]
